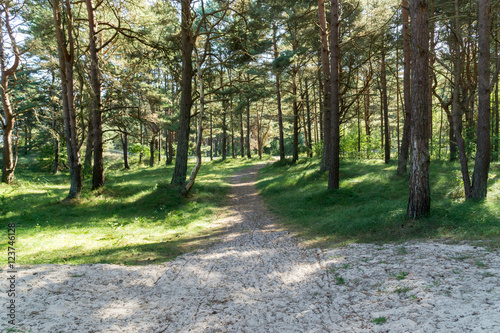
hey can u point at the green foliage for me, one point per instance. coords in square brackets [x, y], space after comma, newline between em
[46, 158]
[371, 203]
[137, 148]
[379, 320]
[317, 148]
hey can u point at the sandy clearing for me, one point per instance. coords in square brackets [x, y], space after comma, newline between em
[259, 279]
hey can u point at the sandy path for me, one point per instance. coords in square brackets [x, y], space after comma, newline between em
[258, 279]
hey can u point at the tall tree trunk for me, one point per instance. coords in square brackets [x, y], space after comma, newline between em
[199, 132]
[211, 140]
[89, 148]
[98, 178]
[9, 118]
[419, 202]
[496, 136]
[66, 51]
[233, 151]
[169, 147]
[295, 150]
[187, 41]
[325, 62]
[432, 51]
[141, 131]
[152, 144]
[334, 164]
[242, 136]
[249, 152]
[457, 108]
[224, 132]
[405, 142]
[124, 137]
[308, 109]
[387, 141]
[55, 168]
[483, 152]
[278, 99]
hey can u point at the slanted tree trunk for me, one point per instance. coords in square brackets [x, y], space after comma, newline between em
[419, 202]
[66, 52]
[326, 91]
[199, 133]
[405, 141]
[187, 42]
[334, 164]
[483, 152]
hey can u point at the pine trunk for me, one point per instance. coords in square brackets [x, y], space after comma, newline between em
[326, 91]
[278, 100]
[180, 170]
[419, 202]
[334, 164]
[483, 152]
[405, 141]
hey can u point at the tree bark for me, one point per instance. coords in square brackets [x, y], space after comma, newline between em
[325, 62]
[387, 140]
[419, 202]
[334, 164]
[9, 117]
[66, 52]
[405, 142]
[249, 153]
[483, 152]
[152, 144]
[199, 133]
[278, 100]
[308, 110]
[180, 170]
[89, 148]
[457, 108]
[496, 135]
[224, 131]
[295, 150]
[125, 151]
[242, 136]
[98, 178]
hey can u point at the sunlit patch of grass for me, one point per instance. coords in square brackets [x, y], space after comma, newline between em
[370, 205]
[137, 218]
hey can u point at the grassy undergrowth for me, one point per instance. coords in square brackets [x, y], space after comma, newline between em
[370, 205]
[137, 218]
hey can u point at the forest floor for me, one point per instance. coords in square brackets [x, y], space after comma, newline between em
[258, 278]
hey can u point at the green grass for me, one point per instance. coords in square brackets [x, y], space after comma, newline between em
[137, 218]
[370, 205]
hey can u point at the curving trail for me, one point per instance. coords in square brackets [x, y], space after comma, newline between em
[259, 279]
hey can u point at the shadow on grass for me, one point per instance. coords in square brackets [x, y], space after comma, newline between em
[370, 205]
[137, 215]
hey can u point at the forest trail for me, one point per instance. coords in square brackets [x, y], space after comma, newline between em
[259, 279]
